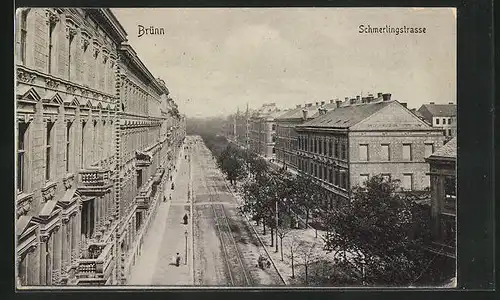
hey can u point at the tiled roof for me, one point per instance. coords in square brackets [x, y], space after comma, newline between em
[290, 113]
[298, 113]
[441, 110]
[328, 107]
[345, 117]
[449, 150]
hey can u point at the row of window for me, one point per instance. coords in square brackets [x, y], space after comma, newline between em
[385, 153]
[69, 142]
[96, 71]
[406, 184]
[443, 121]
[325, 147]
[140, 139]
[135, 99]
[333, 175]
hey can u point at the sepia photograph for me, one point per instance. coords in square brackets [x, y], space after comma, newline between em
[231, 148]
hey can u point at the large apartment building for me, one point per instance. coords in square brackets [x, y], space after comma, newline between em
[286, 135]
[88, 136]
[366, 137]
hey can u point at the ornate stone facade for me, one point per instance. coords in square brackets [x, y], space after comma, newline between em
[70, 146]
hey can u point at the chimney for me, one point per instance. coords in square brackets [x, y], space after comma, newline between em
[386, 97]
[431, 103]
[298, 105]
[338, 103]
[322, 102]
[304, 114]
[404, 104]
[379, 95]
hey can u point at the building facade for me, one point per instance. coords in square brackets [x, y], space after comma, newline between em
[72, 154]
[444, 199]
[370, 136]
[441, 116]
[262, 130]
[286, 135]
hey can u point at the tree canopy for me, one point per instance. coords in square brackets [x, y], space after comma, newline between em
[380, 234]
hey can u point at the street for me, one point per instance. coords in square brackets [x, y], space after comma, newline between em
[225, 246]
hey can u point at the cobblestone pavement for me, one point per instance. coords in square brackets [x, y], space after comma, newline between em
[165, 238]
[234, 262]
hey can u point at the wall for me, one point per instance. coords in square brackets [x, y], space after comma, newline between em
[396, 166]
[78, 87]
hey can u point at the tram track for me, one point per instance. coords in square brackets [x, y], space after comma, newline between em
[234, 261]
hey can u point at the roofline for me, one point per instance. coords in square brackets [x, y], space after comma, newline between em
[447, 159]
[130, 52]
[111, 21]
[311, 128]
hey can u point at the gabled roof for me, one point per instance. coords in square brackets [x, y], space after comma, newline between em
[345, 117]
[449, 150]
[441, 110]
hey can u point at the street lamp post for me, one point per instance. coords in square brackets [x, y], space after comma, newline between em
[186, 249]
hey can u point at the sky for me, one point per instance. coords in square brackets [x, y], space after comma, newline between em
[215, 60]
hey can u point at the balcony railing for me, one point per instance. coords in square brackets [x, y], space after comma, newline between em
[143, 159]
[94, 181]
[95, 271]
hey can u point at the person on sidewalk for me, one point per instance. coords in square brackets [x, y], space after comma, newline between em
[177, 259]
[185, 218]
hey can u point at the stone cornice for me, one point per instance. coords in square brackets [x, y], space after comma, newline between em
[108, 21]
[29, 76]
[132, 55]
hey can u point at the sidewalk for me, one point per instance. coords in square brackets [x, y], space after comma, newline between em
[166, 237]
[307, 238]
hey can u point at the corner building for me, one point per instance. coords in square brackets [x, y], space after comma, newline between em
[370, 136]
[70, 149]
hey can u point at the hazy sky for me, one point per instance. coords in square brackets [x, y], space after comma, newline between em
[215, 60]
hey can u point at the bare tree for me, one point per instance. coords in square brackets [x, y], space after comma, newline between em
[306, 252]
[293, 245]
[284, 227]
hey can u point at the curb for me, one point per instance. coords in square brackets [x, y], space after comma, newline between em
[258, 237]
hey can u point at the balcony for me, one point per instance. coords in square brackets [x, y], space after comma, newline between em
[94, 182]
[450, 205]
[143, 159]
[96, 271]
[159, 174]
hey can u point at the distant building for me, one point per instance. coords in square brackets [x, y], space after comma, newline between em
[366, 137]
[441, 116]
[286, 135]
[444, 198]
[262, 130]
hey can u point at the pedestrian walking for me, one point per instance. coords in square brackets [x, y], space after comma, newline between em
[185, 219]
[177, 259]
